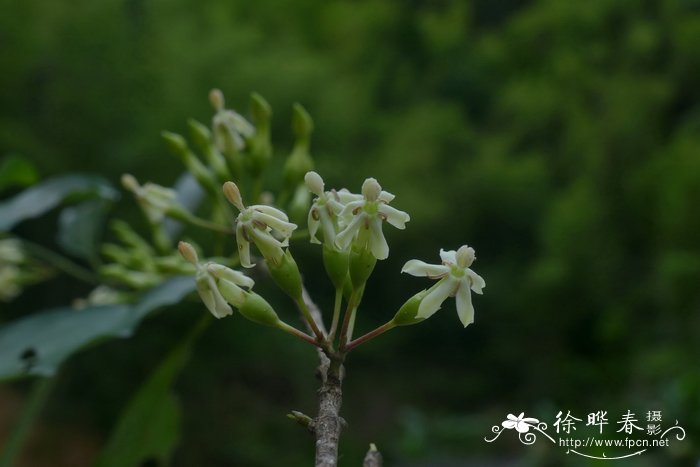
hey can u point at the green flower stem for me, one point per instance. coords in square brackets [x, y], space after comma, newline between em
[37, 400]
[320, 337]
[199, 222]
[350, 311]
[297, 333]
[336, 314]
[61, 263]
[370, 335]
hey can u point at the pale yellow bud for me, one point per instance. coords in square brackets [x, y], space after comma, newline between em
[233, 194]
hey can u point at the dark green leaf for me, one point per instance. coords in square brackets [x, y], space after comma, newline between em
[149, 426]
[38, 344]
[80, 227]
[45, 196]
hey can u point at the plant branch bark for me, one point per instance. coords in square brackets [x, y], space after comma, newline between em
[328, 423]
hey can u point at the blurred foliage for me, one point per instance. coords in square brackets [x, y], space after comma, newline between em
[560, 139]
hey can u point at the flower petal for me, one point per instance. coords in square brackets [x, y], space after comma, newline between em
[270, 211]
[377, 242]
[509, 424]
[269, 246]
[419, 268]
[386, 197]
[449, 256]
[344, 196]
[465, 310]
[351, 206]
[477, 283]
[313, 224]
[237, 277]
[243, 247]
[283, 227]
[394, 217]
[436, 295]
[344, 238]
[327, 226]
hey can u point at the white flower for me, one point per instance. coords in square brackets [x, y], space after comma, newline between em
[362, 219]
[456, 279]
[230, 128]
[155, 200]
[522, 425]
[257, 224]
[213, 280]
[324, 209]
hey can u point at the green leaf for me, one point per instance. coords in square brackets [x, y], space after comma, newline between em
[80, 227]
[45, 196]
[39, 343]
[17, 171]
[149, 426]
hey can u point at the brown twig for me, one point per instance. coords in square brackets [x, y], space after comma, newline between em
[328, 423]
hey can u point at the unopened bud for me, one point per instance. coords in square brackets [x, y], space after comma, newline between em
[233, 195]
[314, 183]
[188, 252]
[465, 256]
[216, 97]
[302, 124]
[371, 189]
[130, 183]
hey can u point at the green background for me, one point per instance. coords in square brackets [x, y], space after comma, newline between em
[560, 139]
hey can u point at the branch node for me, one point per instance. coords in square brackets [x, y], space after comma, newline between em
[373, 457]
[303, 420]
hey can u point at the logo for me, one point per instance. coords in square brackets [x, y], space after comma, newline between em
[598, 438]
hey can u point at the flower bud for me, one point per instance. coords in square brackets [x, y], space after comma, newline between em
[336, 263]
[286, 275]
[199, 171]
[188, 252]
[465, 256]
[408, 311]
[201, 135]
[256, 309]
[259, 143]
[299, 161]
[314, 183]
[362, 263]
[371, 189]
[302, 124]
[216, 97]
[233, 195]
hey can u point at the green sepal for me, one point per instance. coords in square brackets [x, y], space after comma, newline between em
[286, 275]
[337, 264]
[408, 311]
[256, 309]
[361, 266]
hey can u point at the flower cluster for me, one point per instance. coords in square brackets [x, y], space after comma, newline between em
[349, 219]
[455, 280]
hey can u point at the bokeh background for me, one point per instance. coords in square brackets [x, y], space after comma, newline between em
[561, 139]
